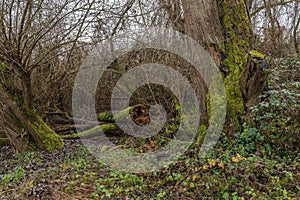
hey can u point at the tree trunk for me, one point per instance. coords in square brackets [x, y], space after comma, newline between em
[296, 23]
[24, 127]
[202, 24]
[236, 49]
[27, 90]
[223, 28]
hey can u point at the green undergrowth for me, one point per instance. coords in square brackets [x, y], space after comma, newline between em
[239, 172]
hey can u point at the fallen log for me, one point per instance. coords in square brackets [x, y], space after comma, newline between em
[93, 132]
[139, 114]
[73, 127]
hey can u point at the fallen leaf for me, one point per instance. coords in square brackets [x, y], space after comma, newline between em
[234, 159]
[221, 165]
[195, 177]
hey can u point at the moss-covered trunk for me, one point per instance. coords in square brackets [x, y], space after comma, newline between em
[25, 128]
[236, 29]
[223, 28]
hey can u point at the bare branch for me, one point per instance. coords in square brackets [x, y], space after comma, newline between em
[273, 4]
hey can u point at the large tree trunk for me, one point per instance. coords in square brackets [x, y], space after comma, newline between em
[203, 25]
[223, 28]
[24, 127]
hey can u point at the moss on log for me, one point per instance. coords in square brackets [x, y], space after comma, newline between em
[26, 130]
[139, 113]
[93, 132]
[108, 117]
[48, 137]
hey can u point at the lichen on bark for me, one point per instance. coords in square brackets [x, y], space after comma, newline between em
[236, 48]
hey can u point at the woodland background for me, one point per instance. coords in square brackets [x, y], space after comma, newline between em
[256, 46]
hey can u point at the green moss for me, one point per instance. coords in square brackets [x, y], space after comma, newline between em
[236, 48]
[125, 112]
[257, 54]
[105, 117]
[201, 131]
[91, 132]
[208, 104]
[49, 138]
[4, 141]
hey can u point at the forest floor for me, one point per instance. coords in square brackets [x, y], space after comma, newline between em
[261, 162]
[73, 173]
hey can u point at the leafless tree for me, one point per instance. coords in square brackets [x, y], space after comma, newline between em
[276, 26]
[296, 26]
[35, 34]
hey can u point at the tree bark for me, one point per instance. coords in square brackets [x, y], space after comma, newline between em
[24, 128]
[27, 90]
[236, 47]
[211, 23]
[223, 28]
[296, 23]
[203, 25]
